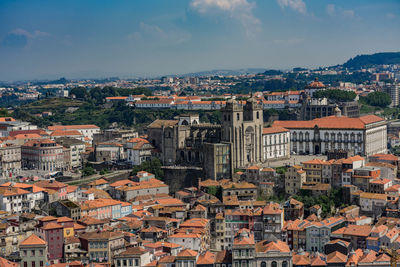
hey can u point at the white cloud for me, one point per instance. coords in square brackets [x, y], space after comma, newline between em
[348, 13]
[297, 5]
[30, 35]
[154, 34]
[241, 10]
[390, 15]
[22, 38]
[331, 9]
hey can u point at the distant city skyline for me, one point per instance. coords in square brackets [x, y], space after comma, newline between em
[101, 38]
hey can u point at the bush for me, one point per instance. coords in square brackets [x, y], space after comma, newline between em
[87, 171]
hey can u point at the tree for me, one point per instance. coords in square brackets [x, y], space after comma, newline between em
[152, 166]
[215, 191]
[79, 92]
[378, 99]
[4, 113]
[336, 95]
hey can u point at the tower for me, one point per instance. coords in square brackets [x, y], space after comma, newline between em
[242, 128]
[252, 131]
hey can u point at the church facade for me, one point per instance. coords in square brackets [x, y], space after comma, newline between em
[239, 141]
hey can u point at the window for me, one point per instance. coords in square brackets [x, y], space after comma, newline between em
[263, 264]
[25, 264]
[33, 263]
[284, 264]
[41, 263]
[136, 262]
[33, 252]
[274, 264]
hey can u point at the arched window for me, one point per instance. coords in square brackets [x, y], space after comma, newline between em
[284, 264]
[263, 264]
[274, 264]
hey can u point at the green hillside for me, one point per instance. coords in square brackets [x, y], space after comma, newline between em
[362, 61]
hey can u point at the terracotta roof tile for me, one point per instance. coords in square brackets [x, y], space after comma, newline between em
[33, 240]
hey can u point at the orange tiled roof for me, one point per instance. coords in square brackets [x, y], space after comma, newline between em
[66, 133]
[187, 253]
[274, 130]
[265, 246]
[69, 127]
[336, 257]
[12, 191]
[299, 259]
[33, 240]
[331, 122]
[51, 225]
[6, 263]
[388, 157]
[206, 258]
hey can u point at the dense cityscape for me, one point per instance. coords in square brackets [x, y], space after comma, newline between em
[250, 167]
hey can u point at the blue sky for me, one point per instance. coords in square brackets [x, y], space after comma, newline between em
[101, 38]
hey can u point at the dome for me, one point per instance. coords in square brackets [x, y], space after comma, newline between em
[316, 84]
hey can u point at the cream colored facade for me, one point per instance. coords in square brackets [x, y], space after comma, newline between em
[294, 179]
[10, 161]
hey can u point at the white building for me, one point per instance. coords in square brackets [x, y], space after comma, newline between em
[371, 201]
[19, 197]
[87, 130]
[186, 240]
[365, 135]
[75, 147]
[8, 124]
[276, 143]
[138, 150]
[162, 103]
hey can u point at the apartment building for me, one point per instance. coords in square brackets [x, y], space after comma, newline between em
[294, 179]
[43, 154]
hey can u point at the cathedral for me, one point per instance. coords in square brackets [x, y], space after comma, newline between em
[236, 143]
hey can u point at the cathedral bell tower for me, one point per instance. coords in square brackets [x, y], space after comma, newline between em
[242, 127]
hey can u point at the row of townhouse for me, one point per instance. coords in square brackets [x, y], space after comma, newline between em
[340, 172]
[105, 208]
